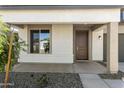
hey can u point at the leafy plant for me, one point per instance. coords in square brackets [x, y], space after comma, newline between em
[17, 46]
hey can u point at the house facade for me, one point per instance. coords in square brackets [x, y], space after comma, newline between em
[69, 34]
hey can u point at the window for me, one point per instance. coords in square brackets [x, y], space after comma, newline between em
[40, 41]
[122, 15]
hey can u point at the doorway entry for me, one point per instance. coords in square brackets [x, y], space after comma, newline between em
[81, 45]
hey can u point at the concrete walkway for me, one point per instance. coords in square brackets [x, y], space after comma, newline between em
[114, 83]
[121, 66]
[94, 81]
[83, 68]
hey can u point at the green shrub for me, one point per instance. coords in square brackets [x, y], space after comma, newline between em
[4, 46]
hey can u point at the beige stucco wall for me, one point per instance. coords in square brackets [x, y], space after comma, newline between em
[62, 46]
[112, 47]
[97, 44]
[61, 16]
[120, 28]
[62, 30]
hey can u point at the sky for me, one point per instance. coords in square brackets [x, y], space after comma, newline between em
[42, 36]
[61, 2]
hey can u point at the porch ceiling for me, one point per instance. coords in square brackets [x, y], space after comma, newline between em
[87, 26]
[76, 26]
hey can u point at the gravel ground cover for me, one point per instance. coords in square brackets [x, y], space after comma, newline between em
[51, 80]
[119, 75]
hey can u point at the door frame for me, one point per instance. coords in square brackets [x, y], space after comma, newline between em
[74, 45]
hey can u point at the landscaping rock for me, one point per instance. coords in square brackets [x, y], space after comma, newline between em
[55, 80]
[119, 75]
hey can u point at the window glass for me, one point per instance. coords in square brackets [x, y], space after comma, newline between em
[40, 41]
[44, 41]
[34, 41]
[122, 15]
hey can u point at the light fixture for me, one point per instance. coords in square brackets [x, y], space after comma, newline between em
[14, 29]
[99, 37]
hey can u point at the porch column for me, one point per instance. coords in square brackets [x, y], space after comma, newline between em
[112, 47]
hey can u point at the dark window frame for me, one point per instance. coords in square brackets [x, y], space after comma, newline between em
[31, 41]
[122, 15]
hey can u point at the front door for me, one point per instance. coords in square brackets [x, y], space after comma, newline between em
[81, 45]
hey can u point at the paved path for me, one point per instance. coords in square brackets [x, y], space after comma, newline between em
[94, 81]
[114, 83]
[121, 66]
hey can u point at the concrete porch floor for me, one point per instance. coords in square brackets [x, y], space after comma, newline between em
[83, 68]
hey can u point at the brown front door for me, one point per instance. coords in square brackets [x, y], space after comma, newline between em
[81, 47]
